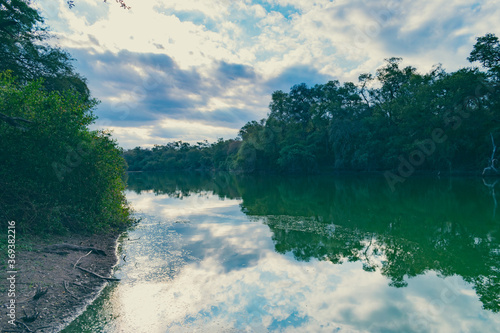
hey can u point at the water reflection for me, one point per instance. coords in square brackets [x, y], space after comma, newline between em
[446, 226]
[256, 254]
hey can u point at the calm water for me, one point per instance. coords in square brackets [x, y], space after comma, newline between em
[309, 254]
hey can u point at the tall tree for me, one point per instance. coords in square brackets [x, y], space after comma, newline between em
[24, 50]
[487, 52]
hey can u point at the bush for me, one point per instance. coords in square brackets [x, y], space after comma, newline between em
[55, 174]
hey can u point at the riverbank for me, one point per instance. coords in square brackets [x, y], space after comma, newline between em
[50, 291]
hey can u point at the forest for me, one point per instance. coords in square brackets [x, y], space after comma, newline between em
[56, 175]
[397, 121]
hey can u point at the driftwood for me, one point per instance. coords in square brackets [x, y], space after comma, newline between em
[76, 263]
[97, 275]
[71, 247]
[26, 327]
[65, 284]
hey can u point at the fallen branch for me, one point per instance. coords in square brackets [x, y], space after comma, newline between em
[97, 275]
[65, 284]
[72, 247]
[26, 327]
[76, 263]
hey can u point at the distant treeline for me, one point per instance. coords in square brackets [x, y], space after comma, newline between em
[397, 119]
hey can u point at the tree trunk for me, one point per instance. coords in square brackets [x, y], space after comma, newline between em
[491, 170]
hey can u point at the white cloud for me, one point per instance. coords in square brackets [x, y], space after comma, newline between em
[167, 130]
[338, 39]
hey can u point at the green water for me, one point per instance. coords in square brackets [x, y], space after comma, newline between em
[225, 253]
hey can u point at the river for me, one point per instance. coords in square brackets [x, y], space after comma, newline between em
[227, 253]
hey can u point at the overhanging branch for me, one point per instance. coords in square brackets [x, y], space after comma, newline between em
[14, 121]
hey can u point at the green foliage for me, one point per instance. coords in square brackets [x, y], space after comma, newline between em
[487, 52]
[184, 156]
[297, 158]
[57, 175]
[246, 158]
[25, 52]
[335, 127]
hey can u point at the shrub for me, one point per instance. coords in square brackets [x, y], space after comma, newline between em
[56, 174]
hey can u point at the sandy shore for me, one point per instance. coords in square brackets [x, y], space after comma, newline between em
[69, 289]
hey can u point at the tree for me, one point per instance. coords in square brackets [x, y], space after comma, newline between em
[297, 158]
[336, 126]
[58, 175]
[487, 52]
[394, 82]
[55, 173]
[24, 51]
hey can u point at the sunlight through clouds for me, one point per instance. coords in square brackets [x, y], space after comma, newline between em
[169, 130]
[275, 40]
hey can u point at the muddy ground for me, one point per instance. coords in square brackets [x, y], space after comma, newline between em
[68, 289]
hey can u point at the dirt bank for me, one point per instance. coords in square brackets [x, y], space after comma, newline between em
[52, 269]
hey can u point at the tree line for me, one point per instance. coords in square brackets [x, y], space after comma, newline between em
[55, 173]
[396, 120]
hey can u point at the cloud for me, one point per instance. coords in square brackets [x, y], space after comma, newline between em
[148, 90]
[164, 131]
[297, 74]
[219, 61]
[235, 71]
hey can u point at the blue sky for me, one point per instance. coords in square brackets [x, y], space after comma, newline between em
[170, 70]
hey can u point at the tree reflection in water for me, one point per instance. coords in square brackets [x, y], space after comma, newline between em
[428, 224]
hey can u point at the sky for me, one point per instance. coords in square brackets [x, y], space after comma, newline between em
[169, 70]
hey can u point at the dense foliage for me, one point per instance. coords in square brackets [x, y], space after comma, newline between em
[397, 119]
[24, 49]
[55, 174]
